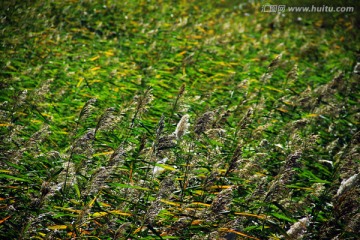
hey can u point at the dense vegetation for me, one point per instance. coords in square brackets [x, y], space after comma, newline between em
[177, 120]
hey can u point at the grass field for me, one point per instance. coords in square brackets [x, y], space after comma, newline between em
[178, 120]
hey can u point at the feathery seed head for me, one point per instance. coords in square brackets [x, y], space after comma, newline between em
[182, 126]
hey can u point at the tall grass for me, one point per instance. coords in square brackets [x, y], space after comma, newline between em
[185, 120]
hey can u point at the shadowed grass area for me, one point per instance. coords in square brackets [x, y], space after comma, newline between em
[177, 120]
